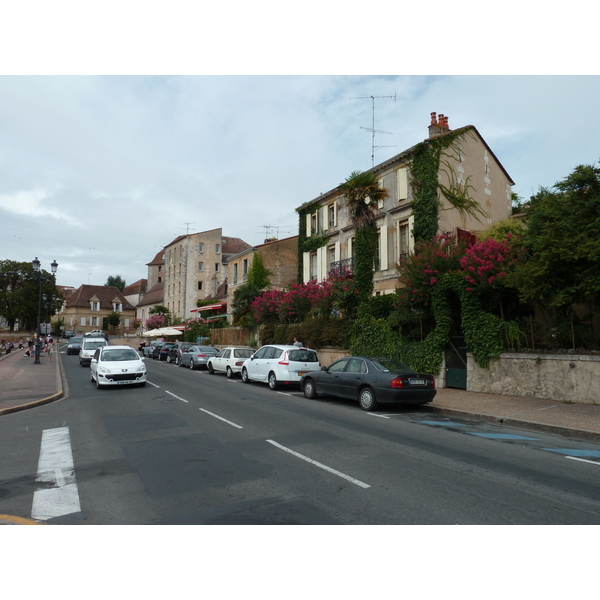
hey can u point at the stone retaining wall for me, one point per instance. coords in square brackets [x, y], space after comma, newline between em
[561, 377]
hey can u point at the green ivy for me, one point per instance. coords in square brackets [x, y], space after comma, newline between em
[365, 248]
[307, 243]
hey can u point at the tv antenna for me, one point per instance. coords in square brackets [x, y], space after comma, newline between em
[372, 129]
[270, 229]
[187, 226]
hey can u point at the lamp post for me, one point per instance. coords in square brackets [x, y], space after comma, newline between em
[37, 269]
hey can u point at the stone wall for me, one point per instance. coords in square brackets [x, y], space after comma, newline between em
[561, 377]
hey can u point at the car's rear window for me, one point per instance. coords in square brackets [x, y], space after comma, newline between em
[93, 345]
[303, 355]
[242, 353]
[391, 365]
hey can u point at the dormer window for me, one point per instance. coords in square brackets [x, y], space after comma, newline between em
[95, 306]
[117, 306]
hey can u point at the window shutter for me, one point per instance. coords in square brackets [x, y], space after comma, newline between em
[402, 184]
[411, 237]
[308, 219]
[306, 267]
[337, 252]
[383, 249]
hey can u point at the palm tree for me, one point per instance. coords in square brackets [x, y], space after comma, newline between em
[362, 194]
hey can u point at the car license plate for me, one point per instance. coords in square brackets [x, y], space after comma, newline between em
[417, 381]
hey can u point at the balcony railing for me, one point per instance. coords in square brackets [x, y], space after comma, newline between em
[342, 267]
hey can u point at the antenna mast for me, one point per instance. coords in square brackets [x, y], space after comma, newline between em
[187, 226]
[372, 129]
[273, 228]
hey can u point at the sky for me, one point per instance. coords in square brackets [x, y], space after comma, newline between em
[100, 172]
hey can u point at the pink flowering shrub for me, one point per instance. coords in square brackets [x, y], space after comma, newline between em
[485, 264]
[156, 322]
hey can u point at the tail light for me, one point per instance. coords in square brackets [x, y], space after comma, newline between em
[433, 382]
[202, 355]
[239, 363]
[284, 360]
[397, 382]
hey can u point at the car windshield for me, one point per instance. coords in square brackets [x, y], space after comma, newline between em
[75, 340]
[118, 354]
[391, 365]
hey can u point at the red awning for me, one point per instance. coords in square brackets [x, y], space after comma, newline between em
[209, 307]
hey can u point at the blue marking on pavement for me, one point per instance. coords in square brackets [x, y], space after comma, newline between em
[502, 436]
[441, 423]
[573, 452]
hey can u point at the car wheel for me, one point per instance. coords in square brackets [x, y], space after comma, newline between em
[245, 377]
[272, 381]
[192, 364]
[310, 390]
[210, 368]
[81, 363]
[168, 359]
[98, 386]
[366, 399]
[229, 373]
[91, 377]
[178, 361]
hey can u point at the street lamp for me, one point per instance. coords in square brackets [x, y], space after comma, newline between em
[38, 271]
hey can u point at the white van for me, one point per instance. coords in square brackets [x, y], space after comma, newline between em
[89, 345]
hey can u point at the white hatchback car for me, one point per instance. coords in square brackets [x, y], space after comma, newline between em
[277, 365]
[117, 365]
[229, 360]
[89, 345]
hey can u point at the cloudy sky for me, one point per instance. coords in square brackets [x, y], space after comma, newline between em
[100, 171]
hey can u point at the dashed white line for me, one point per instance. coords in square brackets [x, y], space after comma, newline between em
[376, 415]
[174, 396]
[56, 466]
[284, 394]
[594, 462]
[156, 386]
[221, 418]
[321, 466]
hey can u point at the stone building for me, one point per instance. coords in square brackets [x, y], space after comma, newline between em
[470, 165]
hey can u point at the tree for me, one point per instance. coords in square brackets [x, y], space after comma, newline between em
[258, 280]
[115, 281]
[19, 293]
[363, 193]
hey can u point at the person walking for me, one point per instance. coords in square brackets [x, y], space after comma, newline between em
[29, 347]
[50, 348]
[297, 343]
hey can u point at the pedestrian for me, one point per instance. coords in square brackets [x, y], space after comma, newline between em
[9, 347]
[297, 343]
[29, 347]
[50, 348]
[21, 344]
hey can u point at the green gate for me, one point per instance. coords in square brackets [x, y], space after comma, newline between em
[456, 363]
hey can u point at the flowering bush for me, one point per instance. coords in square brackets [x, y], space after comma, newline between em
[156, 322]
[486, 263]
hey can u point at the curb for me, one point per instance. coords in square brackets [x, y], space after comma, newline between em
[588, 436]
[13, 520]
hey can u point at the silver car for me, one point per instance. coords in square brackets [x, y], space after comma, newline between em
[197, 356]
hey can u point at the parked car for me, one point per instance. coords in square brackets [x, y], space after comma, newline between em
[176, 350]
[197, 356]
[229, 360]
[163, 351]
[156, 346]
[277, 365]
[67, 334]
[89, 345]
[148, 348]
[117, 365]
[94, 333]
[74, 345]
[370, 381]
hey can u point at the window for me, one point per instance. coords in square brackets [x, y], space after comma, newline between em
[83, 321]
[95, 306]
[313, 224]
[217, 267]
[330, 257]
[245, 269]
[313, 266]
[403, 246]
[200, 266]
[199, 285]
[126, 322]
[331, 216]
[217, 248]
[117, 307]
[235, 272]
[94, 321]
[200, 248]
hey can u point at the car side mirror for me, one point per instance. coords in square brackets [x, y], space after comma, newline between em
[324, 369]
[94, 360]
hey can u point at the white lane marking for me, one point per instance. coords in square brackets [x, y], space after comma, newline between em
[156, 386]
[321, 466]
[283, 394]
[376, 415]
[56, 466]
[221, 418]
[593, 462]
[174, 396]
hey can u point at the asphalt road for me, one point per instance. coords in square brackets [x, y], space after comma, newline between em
[194, 448]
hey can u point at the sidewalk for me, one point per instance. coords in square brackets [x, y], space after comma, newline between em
[24, 385]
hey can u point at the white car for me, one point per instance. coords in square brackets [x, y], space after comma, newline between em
[229, 360]
[94, 333]
[88, 347]
[117, 365]
[277, 365]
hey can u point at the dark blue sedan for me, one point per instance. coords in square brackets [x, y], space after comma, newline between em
[371, 381]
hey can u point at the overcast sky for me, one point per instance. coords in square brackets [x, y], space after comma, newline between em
[101, 171]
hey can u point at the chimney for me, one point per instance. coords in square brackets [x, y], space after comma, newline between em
[439, 125]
